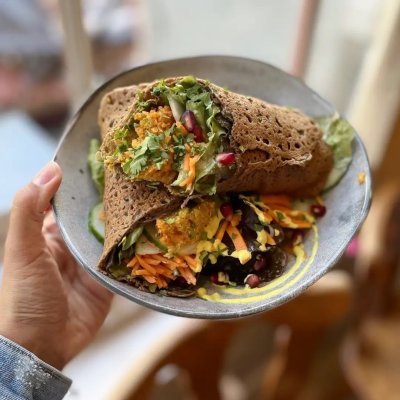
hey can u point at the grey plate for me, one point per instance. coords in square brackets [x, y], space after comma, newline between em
[347, 203]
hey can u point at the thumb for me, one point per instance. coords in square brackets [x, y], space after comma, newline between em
[25, 241]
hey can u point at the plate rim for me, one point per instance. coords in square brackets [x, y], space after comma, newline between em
[234, 313]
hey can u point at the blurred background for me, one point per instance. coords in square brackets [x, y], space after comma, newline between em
[339, 340]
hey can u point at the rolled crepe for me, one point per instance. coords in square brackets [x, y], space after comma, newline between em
[127, 203]
[277, 149]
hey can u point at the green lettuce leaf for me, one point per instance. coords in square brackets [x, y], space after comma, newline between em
[338, 134]
[193, 96]
[207, 169]
[197, 104]
[126, 248]
[96, 167]
[129, 240]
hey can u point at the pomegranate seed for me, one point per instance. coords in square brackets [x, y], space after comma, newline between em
[188, 120]
[260, 264]
[226, 210]
[318, 210]
[226, 158]
[198, 134]
[252, 280]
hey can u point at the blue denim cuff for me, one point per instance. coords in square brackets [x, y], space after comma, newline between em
[23, 376]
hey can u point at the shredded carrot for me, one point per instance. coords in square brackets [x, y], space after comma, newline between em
[280, 208]
[150, 279]
[294, 223]
[236, 237]
[178, 260]
[236, 219]
[186, 162]
[191, 262]
[150, 260]
[188, 181]
[142, 272]
[167, 261]
[133, 262]
[221, 231]
[161, 283]
[145, 265]
[188, 148]
[270, 239]
[158, 269]
[185, 182]
[192, 168]
[187, 274]
[166, 273]
[182, 127]
[269, 216]
[159, 257]
[276, 199]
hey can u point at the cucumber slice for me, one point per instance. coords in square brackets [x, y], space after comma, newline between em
[130, 240]
[144, 246]
[151, 233]
[96, 223]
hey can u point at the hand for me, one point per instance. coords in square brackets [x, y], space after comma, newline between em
[48, 304]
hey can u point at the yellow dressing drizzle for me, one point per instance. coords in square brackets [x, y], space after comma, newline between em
[288, 279]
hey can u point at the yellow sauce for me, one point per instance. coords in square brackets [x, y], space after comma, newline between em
[284, 282]
[202, 292]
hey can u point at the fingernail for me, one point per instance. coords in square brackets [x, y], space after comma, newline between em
[45, 175]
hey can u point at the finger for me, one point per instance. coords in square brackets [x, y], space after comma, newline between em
[25, 241]
[94, 289]
[49, 223]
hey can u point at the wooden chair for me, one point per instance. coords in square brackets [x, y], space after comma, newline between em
[371, 352]
[269, 356]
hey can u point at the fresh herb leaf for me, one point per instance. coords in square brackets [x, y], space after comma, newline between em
[280, 215]
[121, 133]
[133, 167]
[170, 220]
[141, 103]
[149, 150]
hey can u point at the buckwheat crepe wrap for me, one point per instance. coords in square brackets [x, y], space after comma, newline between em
[126, 203]
[276, 150]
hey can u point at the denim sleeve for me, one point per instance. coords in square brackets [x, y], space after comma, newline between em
[23, 376]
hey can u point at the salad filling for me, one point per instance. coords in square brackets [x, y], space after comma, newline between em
[185, 170]
[174, 137]
[227, 240]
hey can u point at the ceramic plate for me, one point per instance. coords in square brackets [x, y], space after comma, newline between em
[347, 203]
